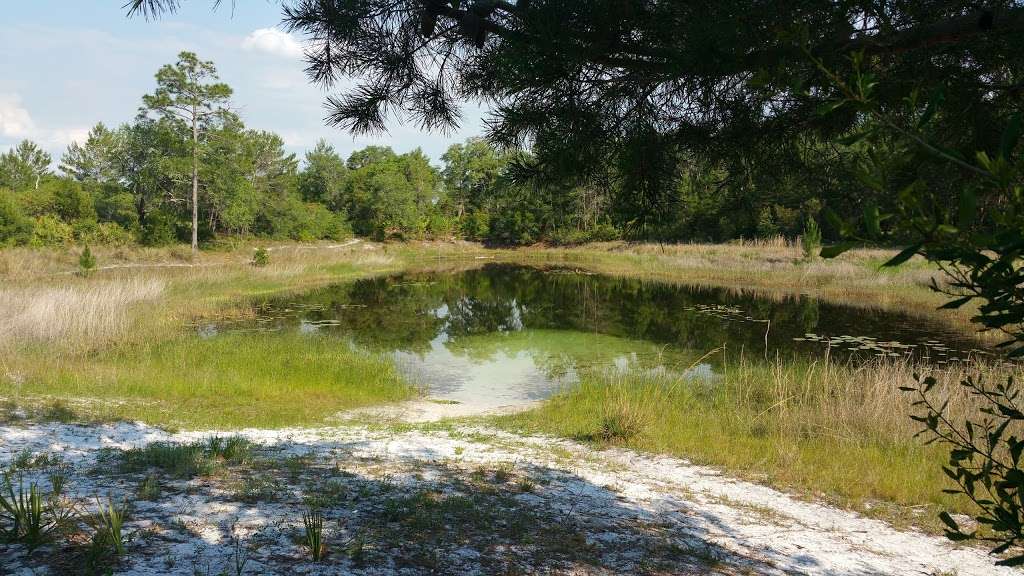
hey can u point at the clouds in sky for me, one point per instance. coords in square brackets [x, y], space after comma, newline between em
[15, 121]
[16, 124]
[273, 41]
[69, 64]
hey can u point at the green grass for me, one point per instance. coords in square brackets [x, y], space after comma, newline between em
[229, 381]
[830, 432]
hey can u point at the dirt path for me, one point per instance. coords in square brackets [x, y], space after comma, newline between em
[462, 500]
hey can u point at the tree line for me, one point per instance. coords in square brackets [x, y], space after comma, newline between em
[188, 169]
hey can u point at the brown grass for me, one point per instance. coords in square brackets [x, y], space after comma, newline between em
[76, 311]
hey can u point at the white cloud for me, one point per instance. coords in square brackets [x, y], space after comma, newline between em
[273, 41]
[62, 137]
[15, 121]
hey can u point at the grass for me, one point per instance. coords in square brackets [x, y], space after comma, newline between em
[837, 432]
[234, 380]
[185, 460]
[116, 344]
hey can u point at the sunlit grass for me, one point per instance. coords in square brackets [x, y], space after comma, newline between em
[831, 431]
[229, 381]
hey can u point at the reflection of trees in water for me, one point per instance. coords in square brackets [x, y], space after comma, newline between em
[408, 311]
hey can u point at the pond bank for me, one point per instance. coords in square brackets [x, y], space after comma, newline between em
[465, 499]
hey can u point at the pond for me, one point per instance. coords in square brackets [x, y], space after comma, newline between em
[506, 334]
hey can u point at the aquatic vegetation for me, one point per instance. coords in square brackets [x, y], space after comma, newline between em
[841, 430]
[234, 380]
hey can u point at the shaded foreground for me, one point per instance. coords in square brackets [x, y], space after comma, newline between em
[443, 500]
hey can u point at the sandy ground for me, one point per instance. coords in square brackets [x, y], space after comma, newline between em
[430, 410]
[455, 499]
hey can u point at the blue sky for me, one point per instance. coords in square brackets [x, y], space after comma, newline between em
[67, 64]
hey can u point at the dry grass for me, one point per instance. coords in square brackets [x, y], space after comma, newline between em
[77, 311]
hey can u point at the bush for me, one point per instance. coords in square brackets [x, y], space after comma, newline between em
[260, 258]
[86, 261]
[159, 230]
[476, 225]
[51, 231]
[15, 227]
[811, 239]
[766, 226]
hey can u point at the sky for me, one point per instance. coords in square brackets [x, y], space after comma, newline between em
[67, 64]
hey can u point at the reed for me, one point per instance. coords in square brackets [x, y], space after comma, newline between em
[840, 431]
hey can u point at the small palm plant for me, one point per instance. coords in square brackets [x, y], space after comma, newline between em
[25, 518]
[109, 526]
[313, 520]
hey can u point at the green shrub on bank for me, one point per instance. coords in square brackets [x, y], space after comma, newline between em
[15, 227]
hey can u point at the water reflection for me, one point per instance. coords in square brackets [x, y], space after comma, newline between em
[503, 334]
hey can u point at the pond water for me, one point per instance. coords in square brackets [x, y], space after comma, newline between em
[506, 334]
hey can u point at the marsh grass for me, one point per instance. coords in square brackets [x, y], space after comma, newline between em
[831, 430]
[91, 313]
[232, 380]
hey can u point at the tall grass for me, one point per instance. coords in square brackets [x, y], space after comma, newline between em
[840, 431]
[91, 313]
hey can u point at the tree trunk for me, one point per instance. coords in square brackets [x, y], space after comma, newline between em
[195, 183]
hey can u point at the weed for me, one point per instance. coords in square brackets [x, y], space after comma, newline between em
[313, 522]
[149, 488]
[295, 465]
[326, 495]
[355, 549]
[503, 472]
[256, 488]
[186, 460]
[233, 450]
[58, 479]
[27, 460]
[241, 551]
[526, 484]
[108, 526]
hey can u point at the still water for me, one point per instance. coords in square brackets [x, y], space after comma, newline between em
[505, 334]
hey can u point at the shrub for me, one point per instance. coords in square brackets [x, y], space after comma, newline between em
[159, 230]
[86, 261]
[260, 258]
[476, 225]
[766, 226]
[105, 233]
[51, 231]
[984, 459]
[811, 239]
[15, 227]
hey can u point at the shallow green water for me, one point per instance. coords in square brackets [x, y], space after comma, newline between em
[505, 334]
